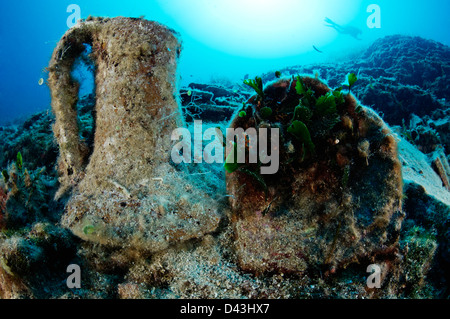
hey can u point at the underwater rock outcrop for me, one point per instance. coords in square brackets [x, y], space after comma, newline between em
[337, 196]
[398, 76]
[125, 192]
[429, 133]
[33, 138]
[39, 254]
[26, 196]
[413, 61]
[424, 241]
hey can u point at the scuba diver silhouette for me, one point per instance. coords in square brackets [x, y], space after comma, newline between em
[353, 31]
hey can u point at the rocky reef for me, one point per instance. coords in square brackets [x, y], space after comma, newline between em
[211, 102]
[397, 76]
[361, 180]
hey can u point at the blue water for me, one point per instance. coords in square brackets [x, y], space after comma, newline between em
[223, 40]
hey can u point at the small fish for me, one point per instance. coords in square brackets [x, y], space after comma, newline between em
[41, 81]
[189, 93]
[277, 74]
[317, 49]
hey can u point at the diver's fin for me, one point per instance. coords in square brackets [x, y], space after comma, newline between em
[328, 20]
[317, 49]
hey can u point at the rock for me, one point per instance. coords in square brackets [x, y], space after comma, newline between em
[327, 206]
[127, 193]
[39, 255]
[424, 137]
[397, 76]
[440, 122]
[3, 199]
[397, 101]
[208, 113]
[26, 198]
[12, 287]
[20, 256]
[424, 241]
[440, 165]
[412, 61]
[416, 170]
[34, 139]
[428, 133]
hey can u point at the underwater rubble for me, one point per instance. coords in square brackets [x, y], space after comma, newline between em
[211, 102]
[357, 189]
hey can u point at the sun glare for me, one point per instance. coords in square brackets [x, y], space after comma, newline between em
[260, 28]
